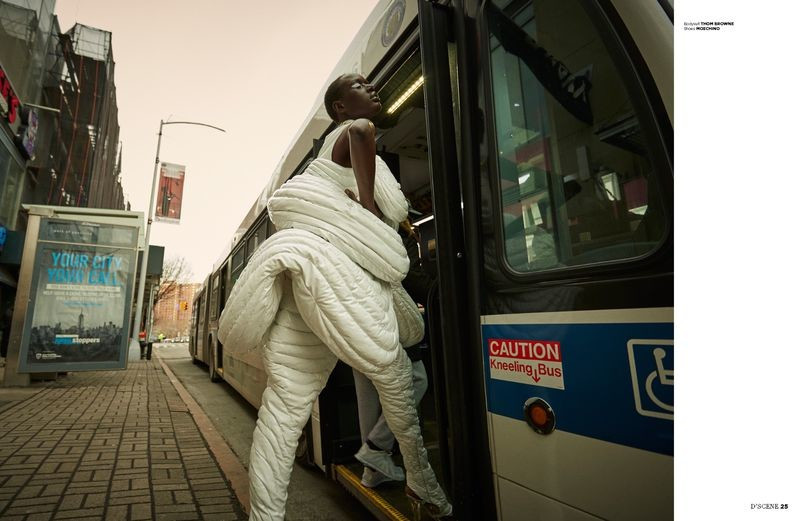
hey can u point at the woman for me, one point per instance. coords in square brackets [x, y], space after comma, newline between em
[326, 286]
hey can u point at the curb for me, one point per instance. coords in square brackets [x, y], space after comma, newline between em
[227, 460]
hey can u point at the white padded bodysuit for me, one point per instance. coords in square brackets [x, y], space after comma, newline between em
[326, 286]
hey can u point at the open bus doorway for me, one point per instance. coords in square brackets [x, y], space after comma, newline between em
[402, 142]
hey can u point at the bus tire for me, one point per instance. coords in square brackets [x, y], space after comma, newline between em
[212, 371]
[212, 365]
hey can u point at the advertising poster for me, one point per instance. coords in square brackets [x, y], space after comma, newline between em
[81, 292]
[170, 193]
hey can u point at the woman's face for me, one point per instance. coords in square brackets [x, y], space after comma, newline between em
[359, 98]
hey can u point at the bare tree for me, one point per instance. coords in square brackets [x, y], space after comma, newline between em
[176, 271]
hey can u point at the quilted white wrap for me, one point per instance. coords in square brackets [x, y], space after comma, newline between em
[327, 286]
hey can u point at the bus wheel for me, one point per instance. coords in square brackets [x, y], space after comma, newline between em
[212, 367]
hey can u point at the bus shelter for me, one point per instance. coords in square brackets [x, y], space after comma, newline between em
[75, 291]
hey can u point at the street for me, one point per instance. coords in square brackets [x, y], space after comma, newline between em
[312, 496]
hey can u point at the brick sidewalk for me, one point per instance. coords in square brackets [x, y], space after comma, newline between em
[109, 445]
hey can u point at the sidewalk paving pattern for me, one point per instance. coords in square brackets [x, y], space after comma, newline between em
[109, 445]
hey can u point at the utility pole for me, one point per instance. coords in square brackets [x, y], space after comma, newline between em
[149, 221]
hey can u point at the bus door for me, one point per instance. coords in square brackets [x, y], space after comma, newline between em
[575, 166]
[193, 331]
[454, 305]
[223, 295]
[202, 322]
[417, 138]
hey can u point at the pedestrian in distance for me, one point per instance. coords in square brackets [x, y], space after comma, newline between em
[145, 345]
[142, 343]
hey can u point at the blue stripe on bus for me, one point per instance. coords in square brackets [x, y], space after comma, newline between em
[598, 399]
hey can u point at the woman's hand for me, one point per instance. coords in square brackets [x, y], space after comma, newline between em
[375, 210]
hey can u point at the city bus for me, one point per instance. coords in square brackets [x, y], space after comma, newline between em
[533, 139]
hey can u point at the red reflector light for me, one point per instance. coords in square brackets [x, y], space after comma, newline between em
[539, 415]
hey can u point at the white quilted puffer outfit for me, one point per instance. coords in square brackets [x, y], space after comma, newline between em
[327, 286]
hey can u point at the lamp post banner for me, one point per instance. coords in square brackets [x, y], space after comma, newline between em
[170, 193]
[79, 312]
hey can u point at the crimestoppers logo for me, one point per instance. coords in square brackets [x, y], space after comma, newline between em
[532, 362]
[74, 339]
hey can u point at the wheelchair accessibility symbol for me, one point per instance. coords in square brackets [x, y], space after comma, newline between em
[652, 376]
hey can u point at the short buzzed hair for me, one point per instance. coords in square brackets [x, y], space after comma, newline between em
[334, 93]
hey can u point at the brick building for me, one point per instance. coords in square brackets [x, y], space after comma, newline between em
[171, 314]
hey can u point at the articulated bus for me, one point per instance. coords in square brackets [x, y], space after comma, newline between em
[533, 139]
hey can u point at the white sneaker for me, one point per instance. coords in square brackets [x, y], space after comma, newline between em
[380, 461]
[372, 478]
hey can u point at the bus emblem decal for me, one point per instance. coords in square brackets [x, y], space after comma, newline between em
[392, 22]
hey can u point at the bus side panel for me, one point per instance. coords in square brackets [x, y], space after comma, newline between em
[520, 504]
[567, 469]
[245, 373]
[608, 377]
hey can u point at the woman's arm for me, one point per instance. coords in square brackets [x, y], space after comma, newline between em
[356, 148]
[362, 157]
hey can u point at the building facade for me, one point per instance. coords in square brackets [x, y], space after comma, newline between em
[84, 161]
[26, 30]
[171, 314]
[26, 27]
[59, 129]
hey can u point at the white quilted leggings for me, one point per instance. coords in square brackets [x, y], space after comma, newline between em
[297, 369]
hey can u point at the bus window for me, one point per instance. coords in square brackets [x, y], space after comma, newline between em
[262, 231]
[576, 183]
[223, 290]
[252, 242]
[237, 264]
[238, 258]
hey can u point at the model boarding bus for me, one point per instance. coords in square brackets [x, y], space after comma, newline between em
[533, 139]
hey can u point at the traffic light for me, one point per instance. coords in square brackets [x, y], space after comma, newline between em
[184, 305]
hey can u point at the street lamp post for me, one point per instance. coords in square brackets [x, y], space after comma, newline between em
[143, 268]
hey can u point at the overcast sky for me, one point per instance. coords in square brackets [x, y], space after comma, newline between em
[251, 67]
